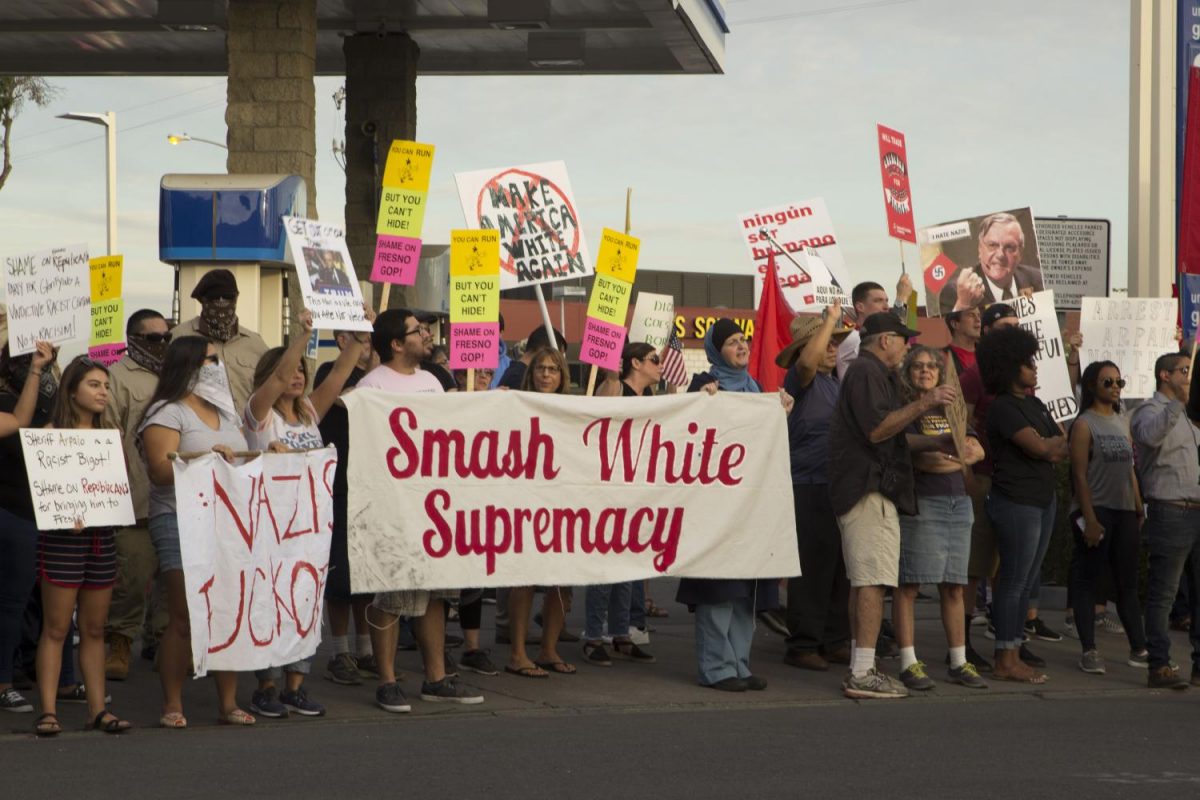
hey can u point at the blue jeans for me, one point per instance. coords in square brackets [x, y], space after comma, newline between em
[607, 601]
[723, 635]
[1022, 536]
[637, 605]
[1173, 536]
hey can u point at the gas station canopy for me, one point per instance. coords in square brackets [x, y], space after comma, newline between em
[456, 37]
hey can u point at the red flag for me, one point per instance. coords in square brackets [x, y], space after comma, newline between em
[1189, 193]
[940, 270]
[772, 331]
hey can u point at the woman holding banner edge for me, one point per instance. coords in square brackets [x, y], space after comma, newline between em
[188, 412]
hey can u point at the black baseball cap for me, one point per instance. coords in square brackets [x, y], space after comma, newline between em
[996, 312]
[887, 322]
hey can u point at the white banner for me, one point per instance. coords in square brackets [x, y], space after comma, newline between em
[805, 231]
[541, 238]
[326, 275]
[653, 319]
[1130, 332]
[1038, 316]
[49, 297]
[77, 475]
[255, 542]
[519, 488]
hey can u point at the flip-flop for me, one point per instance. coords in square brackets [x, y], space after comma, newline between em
[173, 719]
[560, 667]
[1038, 678]
[527, 672]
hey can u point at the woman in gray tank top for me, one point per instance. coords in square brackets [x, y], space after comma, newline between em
[1106, 513]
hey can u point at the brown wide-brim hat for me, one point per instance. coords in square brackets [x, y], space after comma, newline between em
[805, 327]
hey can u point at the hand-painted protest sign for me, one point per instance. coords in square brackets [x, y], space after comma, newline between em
[1130, 332]
[106, 354]
[653, 319]
[979, 260]
[402, 203]
[49, 297]
[604, 331]
[105, 276]
[522, 488]
[77, 475]
[396, 259]
[255, 545]
[805, 231]
[1075, 258]
[1038, 316]
[897, 196]
[533, 209]
[474, 298]
[326, 274]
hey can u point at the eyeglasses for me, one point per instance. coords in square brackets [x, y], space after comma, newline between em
[1186, 370]
[653, 359]
[154, 338]
[928, 366]
[213, 359]
[1107, 383]
[547, 369]
[421, 329]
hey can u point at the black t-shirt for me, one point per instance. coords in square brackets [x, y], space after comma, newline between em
[14, 480]
[627, 391]
[514, 376]
[1017, 475]
[445, 378]
[335, 426]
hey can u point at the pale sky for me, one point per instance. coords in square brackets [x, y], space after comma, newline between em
[1003, 105]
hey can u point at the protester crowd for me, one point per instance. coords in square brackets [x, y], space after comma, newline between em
[911, 466]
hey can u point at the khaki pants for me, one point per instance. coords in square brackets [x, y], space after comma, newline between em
[130, 614]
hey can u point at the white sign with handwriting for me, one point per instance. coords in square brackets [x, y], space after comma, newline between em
[77, 475]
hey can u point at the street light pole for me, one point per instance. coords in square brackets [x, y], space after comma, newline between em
[176, 138]
[109, 120]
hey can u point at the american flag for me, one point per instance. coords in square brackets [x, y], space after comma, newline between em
[674, 371]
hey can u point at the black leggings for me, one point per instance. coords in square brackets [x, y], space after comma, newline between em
[1117, 552]
[470, 613]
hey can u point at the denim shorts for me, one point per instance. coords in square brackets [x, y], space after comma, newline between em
[164, 533]
[935, 546]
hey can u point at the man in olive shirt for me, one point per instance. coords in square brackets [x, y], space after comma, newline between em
[131, 384]
[238, 348]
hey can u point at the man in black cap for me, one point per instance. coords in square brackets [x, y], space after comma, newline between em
[871, 484]
[238, 348]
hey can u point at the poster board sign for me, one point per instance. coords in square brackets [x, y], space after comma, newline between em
[522, 488]
[255, 543]
[49, 297]
[604, 330]
[474, 298]
[1038, 316]
[396, 260]
[326, 275]
[653, 319]
[1075, 254]
[1130, 332]
[979, 260]
[1189, 305]
[402, 201]
[105, 275]
[108, 322]
[77, 474]
[897, 196]
[805, 230]
[534, 211]
[106, 354]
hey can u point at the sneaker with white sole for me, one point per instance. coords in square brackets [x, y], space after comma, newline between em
[390, 697]
[479, 662]
[916, 678]
[301, 703]
[12, 700]
[265, 703]
[342, 670]
[1139, 660]
[873, 686]
[967, 676]
[1037, 628]
[1091, 663]
[449, 691]
[1069, 629]
[1110, 623]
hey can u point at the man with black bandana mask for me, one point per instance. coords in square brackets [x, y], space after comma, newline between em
[132, 381]
[238, 348]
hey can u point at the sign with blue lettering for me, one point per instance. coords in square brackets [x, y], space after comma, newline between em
[1189, 304]
[1187, 55]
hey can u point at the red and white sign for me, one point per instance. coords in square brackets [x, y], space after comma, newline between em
[897, 196]
[815, 273]
[255, 543]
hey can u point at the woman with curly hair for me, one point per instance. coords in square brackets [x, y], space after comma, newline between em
[1026, 443]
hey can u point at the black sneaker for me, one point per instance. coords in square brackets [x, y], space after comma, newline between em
[629, 651]
[755, 683]
[729, 685]
[1030, 658]
[390, 697]
[368, 666]
[265, 703]
[449, 691]
[12, 700]
[301, 703]
[342, 670]
[453, 640]
[597, 655]
[478, 661]
[1036, 628]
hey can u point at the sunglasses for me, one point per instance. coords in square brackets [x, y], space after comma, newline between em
[1107, 383]
[653, 359]
[154, 338]
[217, 297]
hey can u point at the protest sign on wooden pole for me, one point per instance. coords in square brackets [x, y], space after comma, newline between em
[604, 331]
[474, 300]
[591, 385]
[402, 203]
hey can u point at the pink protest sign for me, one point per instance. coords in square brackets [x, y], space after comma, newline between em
[396, 260]
[602, 344]
[473, 345]
[107, 354]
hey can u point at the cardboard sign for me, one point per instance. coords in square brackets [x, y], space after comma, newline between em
[255, 544]
[105, 277]
[897, 197]
[77, 475]
[653, 319]
[402, 203]
[618, 255]
[805, 231]
[107, 354]
[49, 297]
[610, 300]
[473, 345]
[326, 275]
[522, 488]
[409, 165]
[401, 213]
[534, 211]
[602, 344]
[1038, 316]
[108, 322]
[1130, 332]
[396, 259]
[474, 298]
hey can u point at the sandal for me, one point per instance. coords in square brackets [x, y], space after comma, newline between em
[113, 724]
[236, 717]
[173, 719]
[527, 672]
[655, 611]
[47, 725]
[561, 667]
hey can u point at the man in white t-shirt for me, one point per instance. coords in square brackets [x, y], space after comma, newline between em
[402, 342]
[869, 298]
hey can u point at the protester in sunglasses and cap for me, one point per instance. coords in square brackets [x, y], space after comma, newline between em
[238, 348]
[132, 381]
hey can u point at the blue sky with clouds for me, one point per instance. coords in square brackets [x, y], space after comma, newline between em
[1003, 105]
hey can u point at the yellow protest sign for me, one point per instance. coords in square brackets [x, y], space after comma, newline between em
[609, 300]
[475, 299]
[401, 213]
[474, 253]
[108, 317]
[105, 274]
[408, 165]
[618, 255]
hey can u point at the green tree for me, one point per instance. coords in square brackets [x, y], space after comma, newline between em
[15, 90]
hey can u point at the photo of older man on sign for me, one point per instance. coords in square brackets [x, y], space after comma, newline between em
[1004, 247]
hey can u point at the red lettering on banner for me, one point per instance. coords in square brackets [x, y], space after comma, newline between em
[678, 465]
[281, 606]
[247, 534]
[303, 567]
[237, 626]
[250, 625]
[444, 450]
